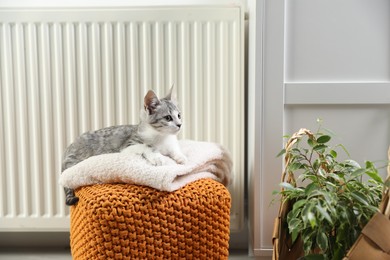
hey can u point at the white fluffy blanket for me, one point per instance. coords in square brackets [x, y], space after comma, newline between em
[205, 160]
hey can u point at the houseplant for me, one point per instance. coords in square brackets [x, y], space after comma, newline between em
[330, 201]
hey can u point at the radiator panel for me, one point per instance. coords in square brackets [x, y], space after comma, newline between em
[67, 71]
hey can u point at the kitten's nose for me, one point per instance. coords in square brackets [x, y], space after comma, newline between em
[178, 125]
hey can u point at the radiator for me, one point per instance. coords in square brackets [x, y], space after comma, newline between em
[67, 71]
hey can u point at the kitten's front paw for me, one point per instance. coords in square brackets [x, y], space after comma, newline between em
[180, 159]
[156, 159]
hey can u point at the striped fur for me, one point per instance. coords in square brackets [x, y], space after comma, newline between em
[160, 121]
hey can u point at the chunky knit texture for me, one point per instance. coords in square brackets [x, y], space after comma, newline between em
[125, 221]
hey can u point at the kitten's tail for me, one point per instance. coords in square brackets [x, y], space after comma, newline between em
[70, 198]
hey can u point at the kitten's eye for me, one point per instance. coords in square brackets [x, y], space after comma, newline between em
[179, 116]
[168, 118]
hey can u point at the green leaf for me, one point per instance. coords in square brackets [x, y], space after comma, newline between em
[299, 204]
[286, 185]
[352, 163]
[305, 212]
[342, 232]
[323, 193]
[329, 161]
[324, 214]
[308, 237]
[294, 224]
[307, 176]
[296, 150]
[310, 188]
[320, 147]
[357, 173]
[339, 252]
[316, 164]
[281, 153]
[310, 142]
[375, 176]
[322, 172]
[307, 246]
[373, 172]
[323, 139]
[293, 214]
[331, 186]
[312, 219]
[360, 197]
[335, 176]
[294, 235]
[372, 208]
[369, 165]
[333, 153]
[295, 166]
[322, 240]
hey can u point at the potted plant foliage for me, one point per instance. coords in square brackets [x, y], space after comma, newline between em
[331, 200]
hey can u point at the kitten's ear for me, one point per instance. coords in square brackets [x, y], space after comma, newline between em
[151, 102]
[172, 95]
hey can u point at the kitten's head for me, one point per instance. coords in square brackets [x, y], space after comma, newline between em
[162, 114]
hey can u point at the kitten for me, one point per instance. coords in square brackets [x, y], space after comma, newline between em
[154, 137]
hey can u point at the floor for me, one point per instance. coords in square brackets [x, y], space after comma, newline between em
[64, 254]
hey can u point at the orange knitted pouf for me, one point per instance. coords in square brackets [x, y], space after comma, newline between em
[125, 221]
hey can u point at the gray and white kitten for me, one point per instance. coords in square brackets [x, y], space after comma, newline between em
[154, 137]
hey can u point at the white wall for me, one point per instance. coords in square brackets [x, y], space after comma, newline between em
[326, 59]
